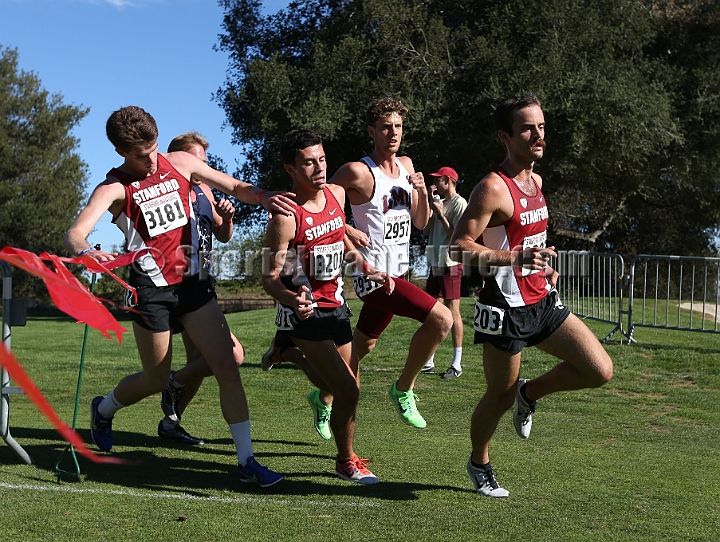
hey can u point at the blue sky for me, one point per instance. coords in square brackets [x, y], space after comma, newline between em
[106, 54]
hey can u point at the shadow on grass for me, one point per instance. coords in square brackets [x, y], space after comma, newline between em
[123, 439]
[193, 475]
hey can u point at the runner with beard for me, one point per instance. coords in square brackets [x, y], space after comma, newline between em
[504, 231]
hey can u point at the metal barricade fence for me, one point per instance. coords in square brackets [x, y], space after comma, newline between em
[674, 292]
[13, 314]
[591, 286]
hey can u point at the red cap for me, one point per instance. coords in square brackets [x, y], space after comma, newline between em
[446, 172]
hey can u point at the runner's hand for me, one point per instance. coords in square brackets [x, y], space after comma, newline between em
[418, 182]
[302, 305]
[389, 286]
[101, 256]
[225, 209]
[552, 276]
[358, 238]
[278, 202]
[534, 258]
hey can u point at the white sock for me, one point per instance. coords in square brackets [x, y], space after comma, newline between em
[457, 357]
[243, 443]
[430, 362]
[109, 406]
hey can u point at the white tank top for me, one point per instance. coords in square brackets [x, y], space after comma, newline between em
[386, 219]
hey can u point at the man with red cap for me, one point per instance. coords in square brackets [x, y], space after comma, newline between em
[445, 274]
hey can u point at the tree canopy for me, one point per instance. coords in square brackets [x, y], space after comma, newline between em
[42, 178]
[630, 89]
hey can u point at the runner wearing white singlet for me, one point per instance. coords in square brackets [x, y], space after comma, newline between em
[386, 220]
[387, 196]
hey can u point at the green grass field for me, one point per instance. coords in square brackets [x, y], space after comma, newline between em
[635, 460]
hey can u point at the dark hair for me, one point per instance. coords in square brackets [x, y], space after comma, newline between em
[130, 127]
[185, 141]
[384, 107]
[502, 116]
[295, 141]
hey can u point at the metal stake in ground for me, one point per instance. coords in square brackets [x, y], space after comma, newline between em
[75, 476]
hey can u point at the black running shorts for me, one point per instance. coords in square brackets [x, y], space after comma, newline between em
[323, 325]
[162, 306]
[510, 330]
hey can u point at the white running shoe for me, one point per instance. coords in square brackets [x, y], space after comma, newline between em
[522, 417]
[485, 482]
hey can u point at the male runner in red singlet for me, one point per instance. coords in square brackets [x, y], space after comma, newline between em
[305, 276]
[149, 198]
[504, 231]
[387, 196]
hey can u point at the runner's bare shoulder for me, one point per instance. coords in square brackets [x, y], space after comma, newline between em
[352, 174]
[407, 163]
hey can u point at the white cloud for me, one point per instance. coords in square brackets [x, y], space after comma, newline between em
[120, 3]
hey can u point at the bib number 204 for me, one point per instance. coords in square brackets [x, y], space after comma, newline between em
[488, 319]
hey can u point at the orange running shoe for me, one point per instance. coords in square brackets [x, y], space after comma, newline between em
[355, 470]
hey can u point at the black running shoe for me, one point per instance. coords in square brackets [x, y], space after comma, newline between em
[178, 434]
[170, 401]
[272, 357]
[452, 372]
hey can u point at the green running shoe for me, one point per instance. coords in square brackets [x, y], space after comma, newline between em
[322, 414]
[404, 402]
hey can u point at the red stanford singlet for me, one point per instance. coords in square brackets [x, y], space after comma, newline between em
[319, 245]
[507, 286]
[157, 216]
